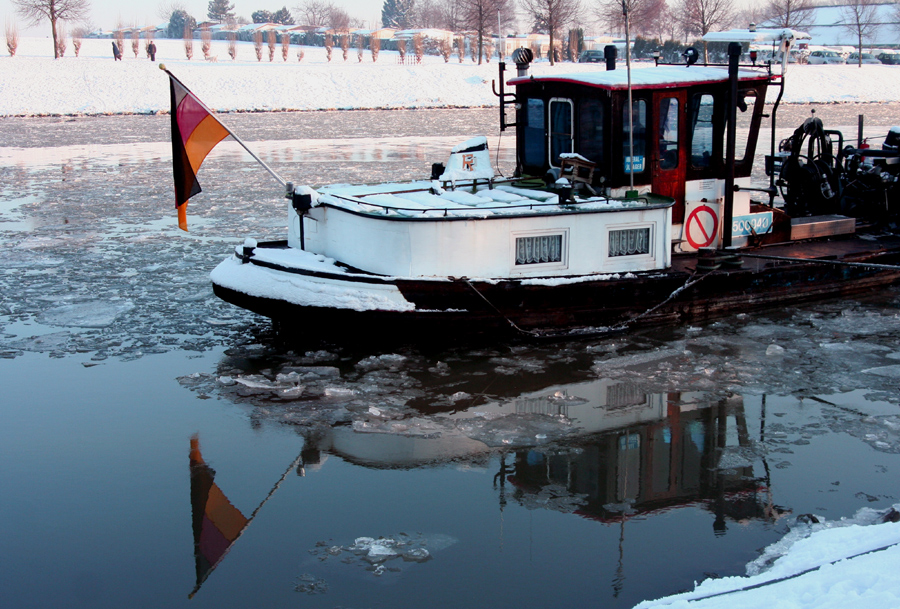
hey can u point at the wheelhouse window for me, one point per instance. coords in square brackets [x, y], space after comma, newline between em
[535, 149]
[668, 133]
[561, 115]
[702, 130]
[629, 242]
[746, 104]
[539, 249]
[590, 129]
[635, 162]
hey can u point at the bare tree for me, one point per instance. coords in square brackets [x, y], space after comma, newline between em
[699, 17]
[270, 39]
[285, 45]
[61, 40]
[135, 41]
[481, 17]
[119, 35]
[232, 41]
[859, 17]
[419, 47]
[188, 42]
[794, 14]
[77, 35]
[643, 15]
[35, 11]
[12, 38]
[205, 40]
[314, 12]
[339, 21]
[374, 47]
[258, 44]
[552, 17]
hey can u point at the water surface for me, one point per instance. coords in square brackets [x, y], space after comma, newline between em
[159, 444]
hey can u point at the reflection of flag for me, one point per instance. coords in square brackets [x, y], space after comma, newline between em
[195, 132]
[217, 523]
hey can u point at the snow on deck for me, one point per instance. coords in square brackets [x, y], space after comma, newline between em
[424, 200]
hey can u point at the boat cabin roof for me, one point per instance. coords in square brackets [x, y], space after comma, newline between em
[416, 201]
[661, 77]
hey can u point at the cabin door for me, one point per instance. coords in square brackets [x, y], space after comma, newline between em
[668, 157]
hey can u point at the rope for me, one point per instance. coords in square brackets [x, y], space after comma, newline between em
[499, 312]
[602, 331]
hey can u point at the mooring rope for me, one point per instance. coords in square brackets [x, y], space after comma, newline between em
[499, 312]
[690, 282]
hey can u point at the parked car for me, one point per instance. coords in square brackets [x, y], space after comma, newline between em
[866, 58]
[825, 57]
[592, 56]
[890, 59]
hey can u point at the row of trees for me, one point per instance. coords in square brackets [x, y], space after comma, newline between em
[666, 20]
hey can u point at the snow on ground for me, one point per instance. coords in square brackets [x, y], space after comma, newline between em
[33, 83]
[829, 565]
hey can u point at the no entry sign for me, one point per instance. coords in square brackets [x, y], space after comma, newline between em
[701, 226]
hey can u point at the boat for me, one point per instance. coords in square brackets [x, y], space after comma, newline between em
[631, 204]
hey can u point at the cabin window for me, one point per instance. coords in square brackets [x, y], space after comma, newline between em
[629, 242]
[746, 104]
[539, 249]
[635, 162]
[702, 130]
[560, 128]
[534, 149]
[668, 133]
[590, 130]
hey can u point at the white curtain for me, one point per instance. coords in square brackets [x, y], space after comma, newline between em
[537, 250]
[629, 242]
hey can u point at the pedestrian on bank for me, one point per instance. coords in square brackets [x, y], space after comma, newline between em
[117, 54]
[151, 50]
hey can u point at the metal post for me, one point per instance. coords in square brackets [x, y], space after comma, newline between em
[630, 102]
[734, 58]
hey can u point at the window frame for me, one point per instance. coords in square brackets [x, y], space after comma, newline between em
[562, 264]
[550, 133]
[629, 259]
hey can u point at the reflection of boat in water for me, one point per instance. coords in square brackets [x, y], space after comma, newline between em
[601, 449]
[631, 204]
[697, 454]
[616, 450]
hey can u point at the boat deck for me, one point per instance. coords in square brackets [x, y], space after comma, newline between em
[848, 248]
[479, 200]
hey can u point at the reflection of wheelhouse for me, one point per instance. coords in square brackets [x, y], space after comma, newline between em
[667, 463]
[679, 119]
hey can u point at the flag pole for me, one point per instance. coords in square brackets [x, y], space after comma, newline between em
[271, 171]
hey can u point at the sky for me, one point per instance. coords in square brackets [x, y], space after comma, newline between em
[107, 13]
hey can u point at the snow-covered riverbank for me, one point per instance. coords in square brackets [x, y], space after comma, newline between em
[33, 83]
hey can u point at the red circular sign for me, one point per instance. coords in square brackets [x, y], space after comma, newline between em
[694, 227]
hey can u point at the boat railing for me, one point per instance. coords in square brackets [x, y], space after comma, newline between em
[473, 210]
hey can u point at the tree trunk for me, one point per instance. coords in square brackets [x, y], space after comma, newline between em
[859, 53]
[53, 28]
[551, 46]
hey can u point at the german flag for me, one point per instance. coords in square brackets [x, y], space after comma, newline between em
[195, 132]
